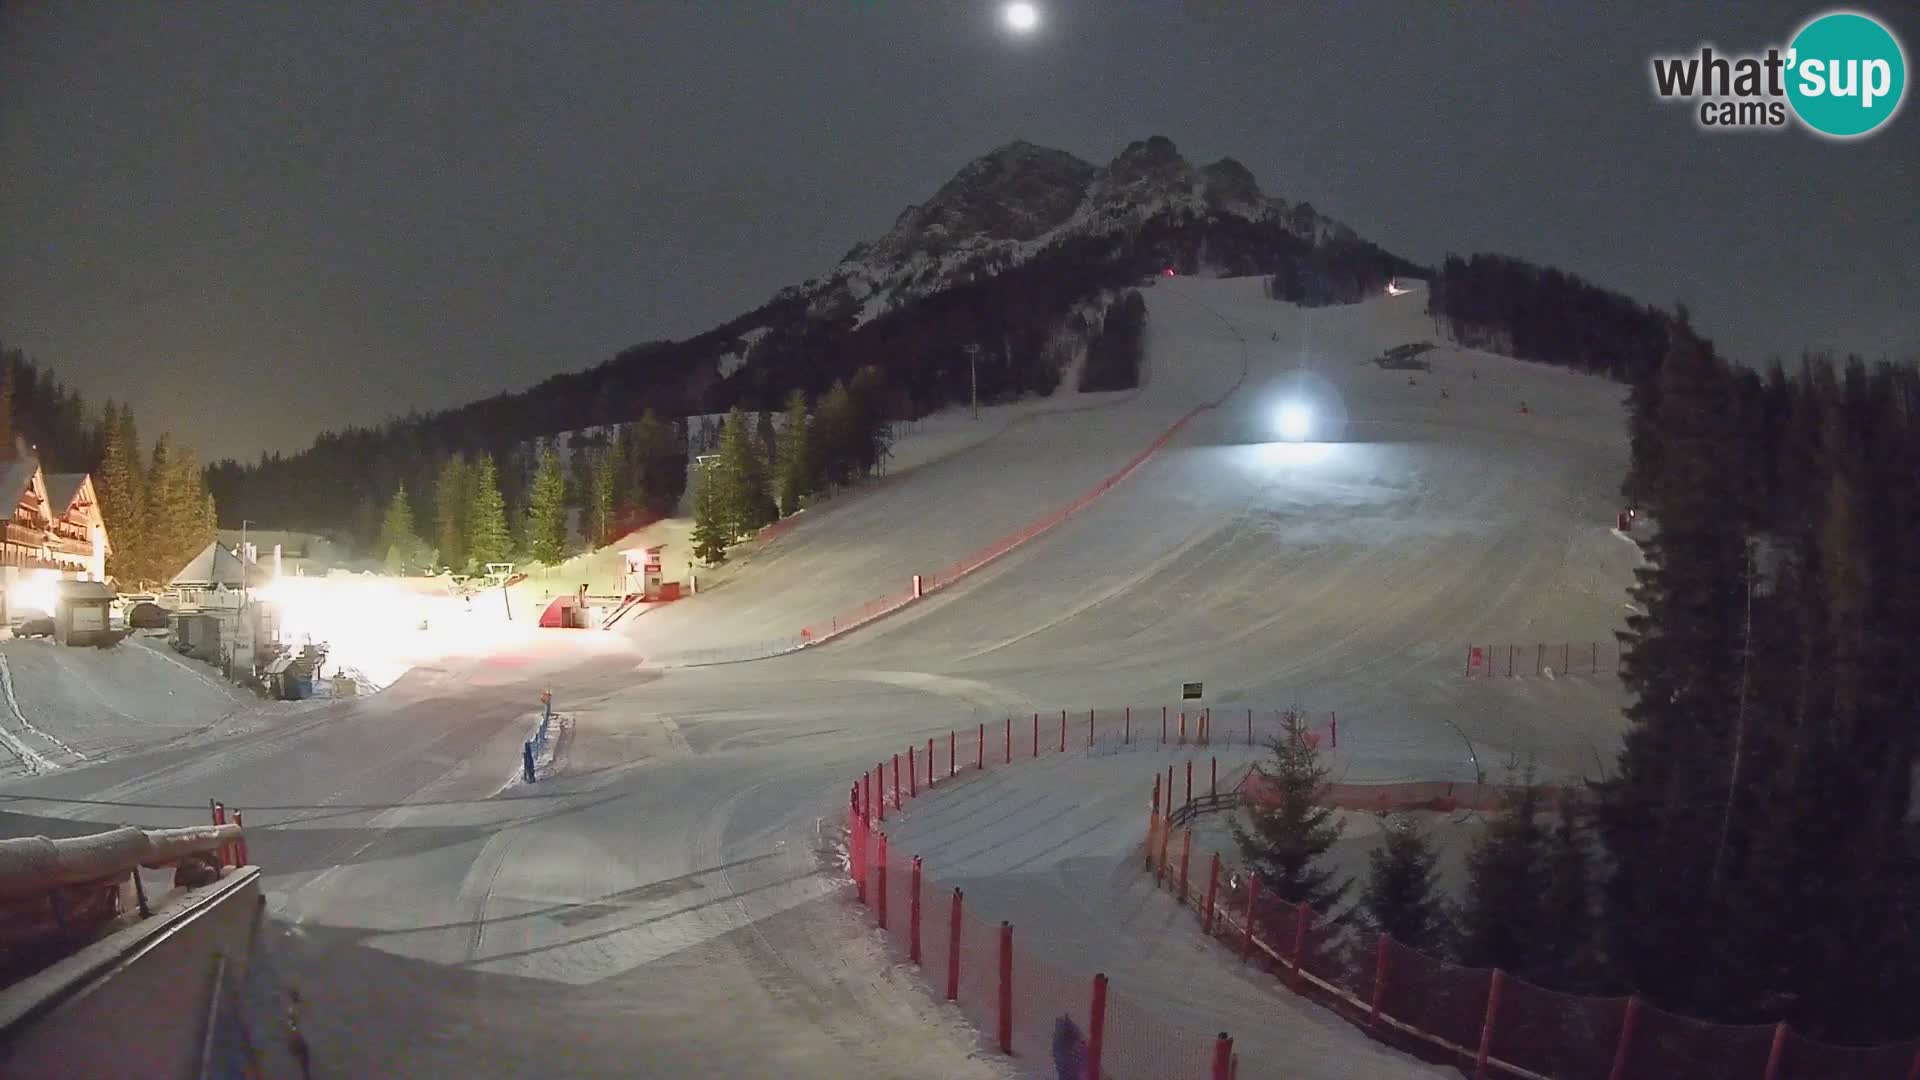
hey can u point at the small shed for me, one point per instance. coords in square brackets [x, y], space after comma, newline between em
[81, 613]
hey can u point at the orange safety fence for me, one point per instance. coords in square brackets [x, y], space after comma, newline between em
[1488, 1022]
[1541, 659]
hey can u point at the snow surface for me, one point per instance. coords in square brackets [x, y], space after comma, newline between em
[668, 897]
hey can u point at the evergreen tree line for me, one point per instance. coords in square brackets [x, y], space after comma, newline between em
[1511, 306]
[1755, 857]
[480, 513]
[759, 476]
[156, 505]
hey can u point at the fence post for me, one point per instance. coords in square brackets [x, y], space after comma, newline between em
[1333, 727]
[1186, 852]
[1063, 731]
[1213, 776]
[239, 846]
[1381, 965]
[929, 761]
[1302, 918]
[1564, 647]
[1168, 806]
[880, 881]
[1509, 661]
[953, 947]
[1539, 657]
[857, 849]
[1009, 740]
[1621, 1049]
[913, 916]
[1213, 890]
[1006, 987]
[1163, 725]
[1486, 1028]
[1189, 801]
[897, 803]
[1469, 661]
[1089, 729]
[1222, 1057]
[1166, 838]
[1249, 729]
[1127, 733]
[1183, 727]
[913, 774]
[1596, 656]
[953, 749]
[1253, 896]
[1776, 1051]
[1096, 1025]
[980, 747]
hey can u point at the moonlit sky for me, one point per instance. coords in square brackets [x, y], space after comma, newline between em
[255, 221]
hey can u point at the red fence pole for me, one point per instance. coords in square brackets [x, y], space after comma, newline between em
[857, 848]
[897, 804]
[1620, 1050]
[953, 948]
[1006, 987]
[1096, 1025]
[1186, 852]
[880, 881]
[1222, 1057]
[980, 747]
[1486, 1028]
[1213, 890]
[880, 783]
[913, 915]
[1253, 895]
[1189, 781]
[913, 774]
[1777, 1051]
[1169, 804]
[1166, 837]
[1183, 727]
[1381, 965]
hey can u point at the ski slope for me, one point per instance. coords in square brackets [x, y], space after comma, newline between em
[671, 895]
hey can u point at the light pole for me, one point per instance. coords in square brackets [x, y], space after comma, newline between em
[973, 377]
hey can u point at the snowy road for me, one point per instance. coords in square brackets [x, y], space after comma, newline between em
[658, 908]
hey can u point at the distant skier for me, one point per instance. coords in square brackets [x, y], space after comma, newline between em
[1069, 1049]
[1443, 393]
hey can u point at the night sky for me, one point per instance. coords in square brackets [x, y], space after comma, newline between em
[255, 221]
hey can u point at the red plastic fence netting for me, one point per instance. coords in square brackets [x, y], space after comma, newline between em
[1538, 659]
[1442, 999]
[1666, 1045]
[1556, 1034]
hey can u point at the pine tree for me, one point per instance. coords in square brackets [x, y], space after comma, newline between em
[452, 500]
[487, 539]
[1662, 815]
[603, 487]
[1292, 827]
[1568, 961]
[1502, 923]
[659, 466]
[165, 513]
[6, 407]
[1402, 897]
[741, 478]
[794, 468]
[546, 517]
[836, 437]
[711, 532]
[397, 535]
[629, 480]
[120, 496]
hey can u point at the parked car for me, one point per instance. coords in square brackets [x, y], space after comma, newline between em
[147, 615]
[35, 626]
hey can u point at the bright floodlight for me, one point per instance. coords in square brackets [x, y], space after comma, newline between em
[1296, 421]
[1021, 17]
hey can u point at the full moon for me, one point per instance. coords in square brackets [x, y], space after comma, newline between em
[1021, 17]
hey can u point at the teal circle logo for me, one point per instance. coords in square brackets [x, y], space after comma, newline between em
[1846, 74]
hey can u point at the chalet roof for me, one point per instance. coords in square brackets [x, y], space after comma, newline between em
[62, 489]
[15, 475]
[84, 590]
[215, 565]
